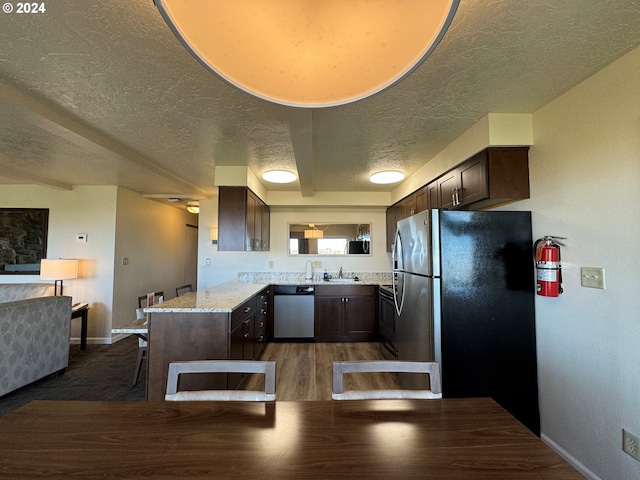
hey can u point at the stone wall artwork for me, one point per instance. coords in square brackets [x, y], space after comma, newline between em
[23, 240]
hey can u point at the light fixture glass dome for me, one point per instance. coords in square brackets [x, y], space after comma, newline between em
[389, 176]
[310, 53]
[193, 208]
[279, 176]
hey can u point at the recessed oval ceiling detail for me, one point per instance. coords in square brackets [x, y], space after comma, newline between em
[310, 53]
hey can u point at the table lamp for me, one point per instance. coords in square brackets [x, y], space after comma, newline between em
[58, 270]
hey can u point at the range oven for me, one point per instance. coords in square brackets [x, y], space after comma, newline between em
[387, 323]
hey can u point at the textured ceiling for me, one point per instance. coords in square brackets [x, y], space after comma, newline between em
[102, 93]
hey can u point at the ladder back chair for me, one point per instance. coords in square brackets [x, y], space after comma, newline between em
[430, 368]
[222, 366]
[142, 339]
[182, 289]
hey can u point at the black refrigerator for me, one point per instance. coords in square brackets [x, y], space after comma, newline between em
[464, 294]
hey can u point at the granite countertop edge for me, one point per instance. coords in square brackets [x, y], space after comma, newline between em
[227, 296]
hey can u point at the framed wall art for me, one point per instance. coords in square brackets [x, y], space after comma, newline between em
[23, 240]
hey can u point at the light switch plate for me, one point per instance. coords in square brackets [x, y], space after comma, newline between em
[592, 277]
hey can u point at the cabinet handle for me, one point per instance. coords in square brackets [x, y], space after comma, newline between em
[453, 196]
[261, 324]
[247, 310]
[260, 338]
[247, 321]
[246, 335]
[457, 196]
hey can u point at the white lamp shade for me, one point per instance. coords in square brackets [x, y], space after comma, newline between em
[58, 269]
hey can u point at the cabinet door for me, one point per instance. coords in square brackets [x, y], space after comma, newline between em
[473, 181]
[391, 227]
[236, 352]
[432, 195]
[360, 313]
[329, 322]
[250, 236]
[421, 200]
[232, 225]
[248, 337]
[266, 220]
[447, 185]
[399, 211]
[409, 206]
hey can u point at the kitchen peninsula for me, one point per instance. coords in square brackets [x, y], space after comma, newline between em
[233, 320]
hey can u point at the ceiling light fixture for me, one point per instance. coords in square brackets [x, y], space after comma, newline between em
[313, 232]
[306, 53]
[193, 208]
[279, 176]
[389, 176]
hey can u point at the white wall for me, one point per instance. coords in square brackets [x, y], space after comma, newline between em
[89, 210]
[226, 265]
[585, 185]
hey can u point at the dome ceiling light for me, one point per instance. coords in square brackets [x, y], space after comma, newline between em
[193, 208]
[310, 53]
[279, 176]
[389, 176]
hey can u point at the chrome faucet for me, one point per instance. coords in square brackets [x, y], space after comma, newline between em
[340, 273]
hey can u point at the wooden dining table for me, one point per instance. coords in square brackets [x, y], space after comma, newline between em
[369, 439]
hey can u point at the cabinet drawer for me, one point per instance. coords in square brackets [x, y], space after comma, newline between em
[243, 312]
[345, 290]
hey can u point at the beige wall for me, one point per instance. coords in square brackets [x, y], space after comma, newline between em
[585, 185]
[89, 210]
[152, 236]
[118, 223]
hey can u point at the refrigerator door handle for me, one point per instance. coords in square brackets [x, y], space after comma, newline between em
[398, 274]
[398, 289]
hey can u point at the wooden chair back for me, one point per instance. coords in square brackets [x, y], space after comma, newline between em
[430, 368]
[222, 366]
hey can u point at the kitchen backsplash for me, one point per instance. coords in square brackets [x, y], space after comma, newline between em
[298, 277]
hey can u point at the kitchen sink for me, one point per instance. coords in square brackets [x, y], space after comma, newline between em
[342, 280]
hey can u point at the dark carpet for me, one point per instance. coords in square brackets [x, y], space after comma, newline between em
[101, 372]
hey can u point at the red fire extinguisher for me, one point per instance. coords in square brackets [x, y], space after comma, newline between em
[548, 268]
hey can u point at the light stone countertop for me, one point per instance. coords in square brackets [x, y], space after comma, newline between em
[228, 296]
[224, 297]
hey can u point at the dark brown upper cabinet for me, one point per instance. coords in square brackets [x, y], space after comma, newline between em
[243, 220]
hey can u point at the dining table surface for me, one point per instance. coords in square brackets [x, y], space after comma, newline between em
[450, 439]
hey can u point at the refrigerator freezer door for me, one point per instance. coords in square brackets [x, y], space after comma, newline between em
[487, 310]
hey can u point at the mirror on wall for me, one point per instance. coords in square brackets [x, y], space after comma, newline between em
[316, 238]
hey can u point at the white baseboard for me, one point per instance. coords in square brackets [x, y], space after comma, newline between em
[569, 458]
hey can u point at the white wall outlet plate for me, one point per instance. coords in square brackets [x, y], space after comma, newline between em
[630, 444]
[592, 277]
[317, 264]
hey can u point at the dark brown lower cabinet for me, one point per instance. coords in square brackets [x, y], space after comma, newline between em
[345, 313]
[184, 336]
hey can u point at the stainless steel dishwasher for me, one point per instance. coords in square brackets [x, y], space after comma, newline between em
[293, 312]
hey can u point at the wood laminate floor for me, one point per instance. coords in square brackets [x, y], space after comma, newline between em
[304, 370]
